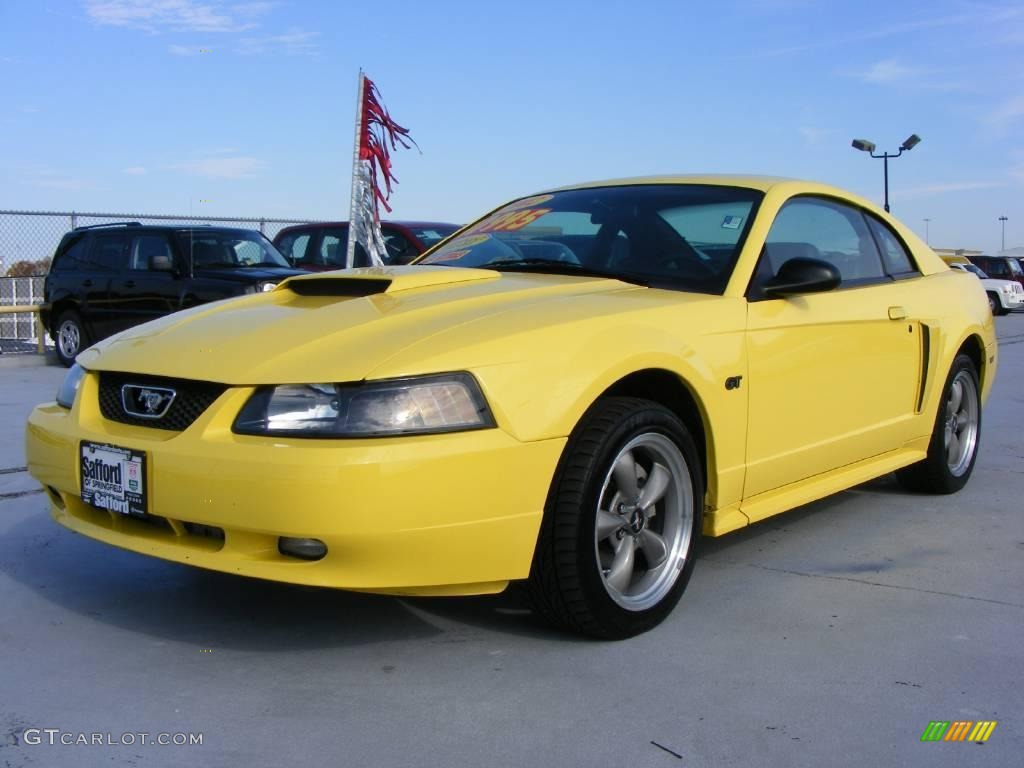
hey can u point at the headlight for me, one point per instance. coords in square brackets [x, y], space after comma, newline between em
[450, 402]
[69, 388]
[260, 287]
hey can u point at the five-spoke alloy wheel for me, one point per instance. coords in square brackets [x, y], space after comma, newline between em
[616, 547]
[955, 437]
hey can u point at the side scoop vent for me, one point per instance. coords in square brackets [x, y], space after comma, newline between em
[339, 288]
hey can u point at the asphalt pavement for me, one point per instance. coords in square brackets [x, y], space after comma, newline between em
[828, 636]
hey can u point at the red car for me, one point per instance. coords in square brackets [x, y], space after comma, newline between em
[322, 246]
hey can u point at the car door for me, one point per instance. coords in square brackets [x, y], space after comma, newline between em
[833, 376]
[295, 246]
[330, 249]
[151, 285]
[108, 260]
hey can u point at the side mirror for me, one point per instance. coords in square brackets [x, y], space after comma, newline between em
[802, 275]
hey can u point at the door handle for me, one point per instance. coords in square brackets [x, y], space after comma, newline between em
[129, 283]
[897, 313]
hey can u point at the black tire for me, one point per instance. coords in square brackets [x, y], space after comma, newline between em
[69, 326]
[996, 306]
[568, 583]
[934, 474]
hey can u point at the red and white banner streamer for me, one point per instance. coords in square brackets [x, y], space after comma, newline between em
[377, 135]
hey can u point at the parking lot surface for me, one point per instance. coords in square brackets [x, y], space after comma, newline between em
[828, 636]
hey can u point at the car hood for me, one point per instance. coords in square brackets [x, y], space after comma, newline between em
[247, 274]
[343, 325]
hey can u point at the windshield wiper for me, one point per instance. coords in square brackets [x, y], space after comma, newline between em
[556, 268]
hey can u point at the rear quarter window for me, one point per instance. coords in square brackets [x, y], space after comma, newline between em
[72, 256]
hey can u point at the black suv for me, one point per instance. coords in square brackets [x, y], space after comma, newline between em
[107, 278]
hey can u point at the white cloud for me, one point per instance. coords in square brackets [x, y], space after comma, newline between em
[1007, 113]
[65, 184]
[135, 170]
[811, 134]
[294, 42]
[181, 50]
[223, 167]
[887, 71]
[177, 15]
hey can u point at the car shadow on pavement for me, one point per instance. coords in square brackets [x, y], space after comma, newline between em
[185, 604]
[179, 603]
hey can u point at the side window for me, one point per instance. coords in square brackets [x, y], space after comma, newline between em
[110, 252]
[894, 255]
[74, 257]
[996, 268]
[400, 250]
[816, 228]
[293, 246]
[332, 248]
[147, 249]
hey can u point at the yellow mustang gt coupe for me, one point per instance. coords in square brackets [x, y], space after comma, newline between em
[569, 391]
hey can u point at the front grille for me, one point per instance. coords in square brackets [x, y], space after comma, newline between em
[191, 399]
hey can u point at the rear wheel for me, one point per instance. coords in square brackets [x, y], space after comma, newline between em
[617, 544]
[70, 337]
[995, 305]
[956, 435]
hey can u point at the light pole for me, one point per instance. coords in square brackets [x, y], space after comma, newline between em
[927, 238]
[1002, 221]
[868, 146]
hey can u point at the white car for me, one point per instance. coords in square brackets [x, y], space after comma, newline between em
[1004, 296]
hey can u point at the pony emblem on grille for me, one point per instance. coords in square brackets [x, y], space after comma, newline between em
[146, 402]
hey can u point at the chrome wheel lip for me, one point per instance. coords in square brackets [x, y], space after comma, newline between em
[961, 423]
[672, 520]
[69, 338]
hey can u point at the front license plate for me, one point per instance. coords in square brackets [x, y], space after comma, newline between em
[114, 478]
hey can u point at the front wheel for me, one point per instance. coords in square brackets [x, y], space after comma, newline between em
[956, 435]
[618, 540]
[70, 337]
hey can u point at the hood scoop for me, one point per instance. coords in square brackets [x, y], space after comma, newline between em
[368, 281]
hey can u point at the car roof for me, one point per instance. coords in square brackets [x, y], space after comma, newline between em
[752, 181]
[136, 227]
[397, 222]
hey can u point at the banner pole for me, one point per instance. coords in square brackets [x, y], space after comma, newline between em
[350, 249]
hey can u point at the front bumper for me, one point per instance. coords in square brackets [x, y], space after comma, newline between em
[1012, 301]
[438, 514]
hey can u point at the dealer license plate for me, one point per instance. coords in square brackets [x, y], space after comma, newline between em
[114, 478]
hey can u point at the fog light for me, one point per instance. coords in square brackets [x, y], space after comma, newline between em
[304, 549]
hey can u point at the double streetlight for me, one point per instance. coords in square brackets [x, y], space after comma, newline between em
[868, 146]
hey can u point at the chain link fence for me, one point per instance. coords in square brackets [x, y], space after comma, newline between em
[29, 238]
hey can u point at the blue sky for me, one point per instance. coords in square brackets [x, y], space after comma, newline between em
[247, 108]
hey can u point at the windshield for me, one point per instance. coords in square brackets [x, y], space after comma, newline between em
[975, 270]
[237, 248]
[680, 236]
[432, 235]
